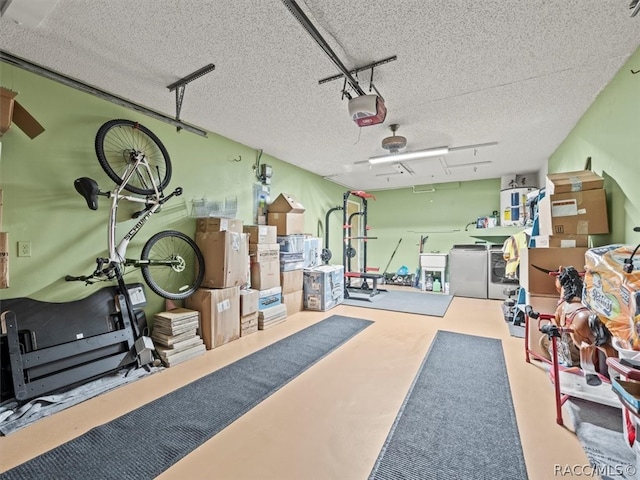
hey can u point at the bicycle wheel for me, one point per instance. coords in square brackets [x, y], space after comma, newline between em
[117, 143]
[173, 265]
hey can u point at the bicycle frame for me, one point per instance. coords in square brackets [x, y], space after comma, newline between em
[117, 252]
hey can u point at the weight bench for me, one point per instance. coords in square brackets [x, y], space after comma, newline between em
[373, 291]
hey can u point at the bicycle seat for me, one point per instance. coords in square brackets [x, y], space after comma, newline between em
[88, 188]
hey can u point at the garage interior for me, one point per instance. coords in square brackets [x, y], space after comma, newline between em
[315, 102]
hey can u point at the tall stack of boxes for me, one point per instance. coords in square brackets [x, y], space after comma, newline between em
[225, 248]
[291, 268]
[574, 206]
[248, 311]
[264, 254]
[286, 214]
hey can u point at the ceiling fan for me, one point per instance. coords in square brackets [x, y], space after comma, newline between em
[394, 143]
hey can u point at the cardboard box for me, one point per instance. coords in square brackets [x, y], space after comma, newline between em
[574, 213]
[287, 223]
[323, 287]
[4, 260]
[219, 224]
[265, 275]
[12, 111]
[248, 301]
[293, 301]
[269, 298]
[536, 282]
[560, 241]
[285, 203]
[249, 324]
[219, 313]
[261, 234]
[291, 281]
[226, 258]
[573, 182]
[264, 252]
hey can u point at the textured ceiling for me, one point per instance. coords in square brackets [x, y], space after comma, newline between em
[520, 73]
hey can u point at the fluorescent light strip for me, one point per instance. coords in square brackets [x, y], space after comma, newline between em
[398, 157]
[463, 165]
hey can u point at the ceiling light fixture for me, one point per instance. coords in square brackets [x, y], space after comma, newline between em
[420, 154]
[398, 157]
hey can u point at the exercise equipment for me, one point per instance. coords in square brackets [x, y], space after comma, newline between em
[366, 274]
[49, 346]
[326, 253]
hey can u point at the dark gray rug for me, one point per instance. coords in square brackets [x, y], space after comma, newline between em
[145, 442]
[422, 303]
[599, 429]
[457, 421]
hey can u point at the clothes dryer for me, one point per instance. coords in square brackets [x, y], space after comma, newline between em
[497, 281]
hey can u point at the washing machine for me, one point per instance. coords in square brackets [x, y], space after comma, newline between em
[497, 281]
[468, 271]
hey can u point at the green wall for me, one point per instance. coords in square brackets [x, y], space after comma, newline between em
[609, 133]
[41, 206]
[441, 215]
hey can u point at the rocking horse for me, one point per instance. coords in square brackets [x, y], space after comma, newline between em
[583, 333]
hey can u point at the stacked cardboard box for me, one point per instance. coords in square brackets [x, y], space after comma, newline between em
[292, 290]
[226, 252]
[225, 248]
[291, 274]
[219, 314]
[248, 311]
[574, 207]
[264, 253]
[264, 256]
[175, 336]
[323, 287]
[286, 214]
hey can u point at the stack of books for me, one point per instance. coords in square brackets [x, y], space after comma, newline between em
[175, 336]
[271, 316]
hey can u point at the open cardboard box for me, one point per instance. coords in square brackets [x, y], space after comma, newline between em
[12, 111]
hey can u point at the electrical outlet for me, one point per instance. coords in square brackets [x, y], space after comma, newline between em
[24, 249]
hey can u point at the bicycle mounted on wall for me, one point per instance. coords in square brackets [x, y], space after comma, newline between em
[133, 157]
[44, 355]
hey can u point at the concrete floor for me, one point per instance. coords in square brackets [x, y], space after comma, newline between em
[331, 421]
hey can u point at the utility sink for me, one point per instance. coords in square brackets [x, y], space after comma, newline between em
[430, 261]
